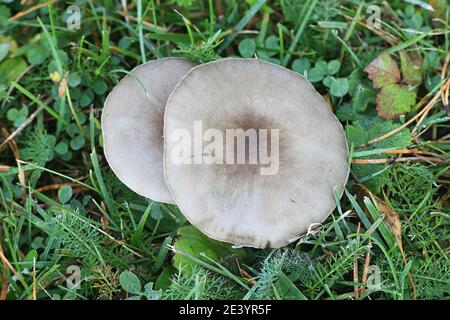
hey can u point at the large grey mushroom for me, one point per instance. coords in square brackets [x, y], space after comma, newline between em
[260, 204]
[132, 123]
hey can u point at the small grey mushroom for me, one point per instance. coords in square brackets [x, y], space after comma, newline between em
[132, 123]
[234, 202]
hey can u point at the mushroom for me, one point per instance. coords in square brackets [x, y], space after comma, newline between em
[132, 123]
[239, 202]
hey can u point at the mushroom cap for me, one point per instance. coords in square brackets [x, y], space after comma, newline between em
[235, 202]
[132, 123]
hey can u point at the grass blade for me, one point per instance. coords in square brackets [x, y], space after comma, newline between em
[300, 30]
[241, 24]
[40, 103]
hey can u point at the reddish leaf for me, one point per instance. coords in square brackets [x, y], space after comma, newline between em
[383, 71]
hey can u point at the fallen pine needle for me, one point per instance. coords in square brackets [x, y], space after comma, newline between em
[29, 10]
[366, 269]
[405, 159]
[407, 123]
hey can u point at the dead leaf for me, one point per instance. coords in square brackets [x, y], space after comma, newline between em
[391, 218]
[392, 221]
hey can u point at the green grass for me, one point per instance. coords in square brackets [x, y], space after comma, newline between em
[61, 207]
